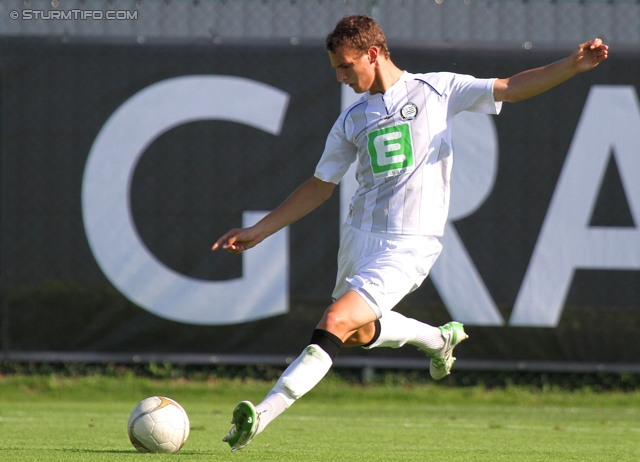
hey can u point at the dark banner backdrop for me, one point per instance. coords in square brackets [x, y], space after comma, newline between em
[193, 182]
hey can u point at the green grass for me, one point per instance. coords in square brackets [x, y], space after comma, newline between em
[49, 418]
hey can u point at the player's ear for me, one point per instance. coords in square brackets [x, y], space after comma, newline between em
[372, 53]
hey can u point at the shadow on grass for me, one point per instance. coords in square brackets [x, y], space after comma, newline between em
[98, 451]
[128, 451]
[74, 450]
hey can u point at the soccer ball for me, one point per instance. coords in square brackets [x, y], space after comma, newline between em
[158, 424]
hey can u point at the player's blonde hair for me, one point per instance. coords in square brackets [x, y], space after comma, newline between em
[358, 32]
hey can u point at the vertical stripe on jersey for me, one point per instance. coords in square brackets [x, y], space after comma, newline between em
[359, 120]
[384, 204]
[384, 191]
[411, 219]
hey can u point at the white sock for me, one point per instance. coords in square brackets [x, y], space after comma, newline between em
[304, 373]
[301, 376]
[396, 330]
[271, 407]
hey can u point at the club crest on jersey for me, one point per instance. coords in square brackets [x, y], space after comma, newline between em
[409, 111]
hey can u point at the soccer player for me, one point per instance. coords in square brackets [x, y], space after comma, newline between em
[399, 134]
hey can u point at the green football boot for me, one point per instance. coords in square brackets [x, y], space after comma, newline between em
[442, 360]
[246, 422]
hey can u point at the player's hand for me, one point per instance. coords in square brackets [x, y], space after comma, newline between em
[589, 54]
[237, 240]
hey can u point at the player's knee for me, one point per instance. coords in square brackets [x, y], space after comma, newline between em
[337, 323]
[346, 315]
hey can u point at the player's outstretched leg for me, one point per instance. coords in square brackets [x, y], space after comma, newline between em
[394, 330]
[442, 360]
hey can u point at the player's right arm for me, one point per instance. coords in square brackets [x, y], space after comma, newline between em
[338, 154]
[302, 201]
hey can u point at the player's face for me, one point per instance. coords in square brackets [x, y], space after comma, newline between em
[353, 68]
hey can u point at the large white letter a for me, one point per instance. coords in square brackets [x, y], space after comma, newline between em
[609, 125]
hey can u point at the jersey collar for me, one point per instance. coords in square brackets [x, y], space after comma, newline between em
[393, 88]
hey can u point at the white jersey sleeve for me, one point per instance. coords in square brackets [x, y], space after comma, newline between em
[339, 153]
[465, 92]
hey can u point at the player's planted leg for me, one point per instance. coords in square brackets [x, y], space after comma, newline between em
[300, 377]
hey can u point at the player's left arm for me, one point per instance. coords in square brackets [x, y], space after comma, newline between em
[535, 81]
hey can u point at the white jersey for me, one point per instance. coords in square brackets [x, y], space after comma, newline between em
[401, 141]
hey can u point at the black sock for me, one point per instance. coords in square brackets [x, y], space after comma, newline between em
[330, 343]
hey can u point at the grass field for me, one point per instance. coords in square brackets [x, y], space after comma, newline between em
[48, 418]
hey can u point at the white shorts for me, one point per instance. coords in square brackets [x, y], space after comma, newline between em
[383, 268]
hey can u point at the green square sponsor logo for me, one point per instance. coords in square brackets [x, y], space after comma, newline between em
[391, 151]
